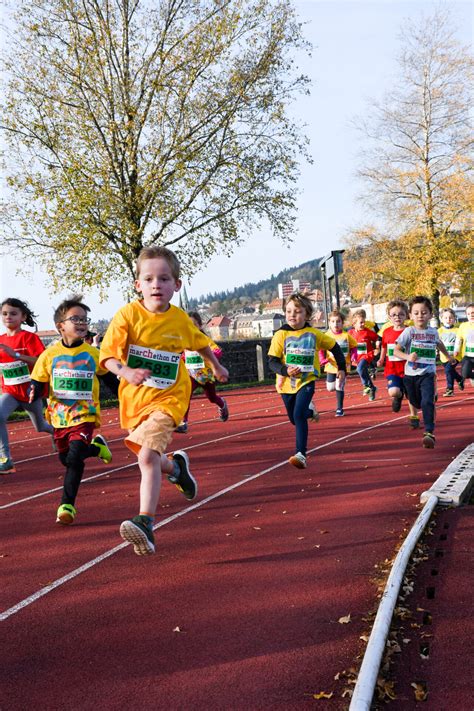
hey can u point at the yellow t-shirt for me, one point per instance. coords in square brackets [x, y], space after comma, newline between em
[448, 336]
[346, 342]
[299, 348]
[465, 340]
[142, 339]
[73, 385]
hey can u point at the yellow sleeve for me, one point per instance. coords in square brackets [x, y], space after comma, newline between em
[114, 343]
[42, 368]
[276, 345]
[324, 342]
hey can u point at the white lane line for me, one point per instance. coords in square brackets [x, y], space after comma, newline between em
[132, 464]
[74, 573]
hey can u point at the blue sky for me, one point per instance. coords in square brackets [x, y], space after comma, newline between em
[353, 61]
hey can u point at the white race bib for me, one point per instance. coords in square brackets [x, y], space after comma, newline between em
[72, 384]
[392, 358]
[15, 373]
[163, 365]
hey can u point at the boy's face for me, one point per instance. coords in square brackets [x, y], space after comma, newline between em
[397, 316]
[295, 314]
[359, 323]
[420, 315]
[470, 314]
[447, 319]
[335, 323]
[157, 284]
[71, 330]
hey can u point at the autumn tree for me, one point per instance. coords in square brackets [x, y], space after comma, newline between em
[417, 171]
[132, 122]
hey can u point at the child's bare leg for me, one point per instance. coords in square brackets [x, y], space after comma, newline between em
[151, 465]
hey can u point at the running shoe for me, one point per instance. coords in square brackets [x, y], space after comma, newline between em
[104, 452]
[185, 481]
[139, 532]
[461, 383]
[414, 422]
[372, 394]
[339, 413]
[182, 428]
[449, 393]
[397, 403]
[314, 413]
[66, 514]
[6, 465]
[429, 440]
[366, 390]
[223, 412]
[298, 460]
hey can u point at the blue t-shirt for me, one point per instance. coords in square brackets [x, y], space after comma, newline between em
[422, 341]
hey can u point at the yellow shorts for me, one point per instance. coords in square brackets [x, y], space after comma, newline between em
[155, 432]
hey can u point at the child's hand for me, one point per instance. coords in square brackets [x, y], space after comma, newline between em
[293, 371]
[220, 373]
[379, 363]
[412, 358]
[135, 376]
[280, 379]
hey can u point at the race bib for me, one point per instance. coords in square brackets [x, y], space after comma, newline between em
[302, 358]
[15, 373]
[449, 340]
[361, 348]
[426, 352]
[193, 361]
[72, 384]
[469, 350]
[344, 346]
[390, 353]
[163, 365]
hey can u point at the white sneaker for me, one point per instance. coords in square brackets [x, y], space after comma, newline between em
[315, 413]
[298, 460]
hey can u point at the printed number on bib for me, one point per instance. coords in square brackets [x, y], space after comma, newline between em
[15, 373]
[426, 352]
[302, 358]
[163, 365]
[72, 384]
[344, 346]
[193, 360]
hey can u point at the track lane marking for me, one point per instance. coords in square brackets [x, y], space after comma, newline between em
[107, 554]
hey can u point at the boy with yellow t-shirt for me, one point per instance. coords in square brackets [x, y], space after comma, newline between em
[143, 347]
[464, 347]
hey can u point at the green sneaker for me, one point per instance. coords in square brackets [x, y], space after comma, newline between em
[184, 481]
[104, 452]
[66, 514]
[6, 465]
[414, 422]
[139, 532]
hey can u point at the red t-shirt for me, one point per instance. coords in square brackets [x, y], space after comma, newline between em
[366, 340]
[16, 378]
[393, 366]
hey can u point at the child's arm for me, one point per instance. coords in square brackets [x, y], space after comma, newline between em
[220, 373]
[442, 349]
[381, 360]
[134, 376]
[399, 353]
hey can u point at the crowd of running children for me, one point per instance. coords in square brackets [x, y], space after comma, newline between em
[159, 355]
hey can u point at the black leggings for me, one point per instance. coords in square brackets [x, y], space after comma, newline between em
[74, 460]
[467, 367]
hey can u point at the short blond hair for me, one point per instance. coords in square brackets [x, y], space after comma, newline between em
[302, 301]
[156, 252]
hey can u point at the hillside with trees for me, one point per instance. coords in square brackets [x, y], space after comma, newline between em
[260, 292]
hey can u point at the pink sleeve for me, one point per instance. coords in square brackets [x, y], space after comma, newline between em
[322, 358]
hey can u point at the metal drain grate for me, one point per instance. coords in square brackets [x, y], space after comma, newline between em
[453, 487]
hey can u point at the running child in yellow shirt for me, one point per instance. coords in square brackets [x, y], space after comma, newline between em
[464, 347]
[143, 347]
[348, 346]
[448, 333]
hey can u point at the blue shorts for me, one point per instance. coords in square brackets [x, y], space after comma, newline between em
[395, 381]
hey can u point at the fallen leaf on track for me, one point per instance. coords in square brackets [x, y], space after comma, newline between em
[344, 620]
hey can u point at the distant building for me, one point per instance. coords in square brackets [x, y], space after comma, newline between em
[47, 337]
[292, 286]
[242, 326]
[274, 306]
[265, 325]
[218, 327]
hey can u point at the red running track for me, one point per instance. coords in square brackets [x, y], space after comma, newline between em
[239, 608]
